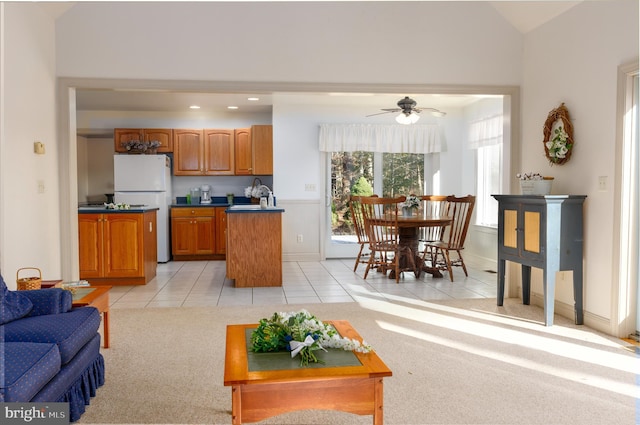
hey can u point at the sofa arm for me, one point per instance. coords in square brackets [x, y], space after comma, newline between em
[49, 301]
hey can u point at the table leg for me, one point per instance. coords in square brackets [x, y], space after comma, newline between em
[236, 404]
[105, 327]
[378, 402]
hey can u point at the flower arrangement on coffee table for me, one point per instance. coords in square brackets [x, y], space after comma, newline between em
[301, 333]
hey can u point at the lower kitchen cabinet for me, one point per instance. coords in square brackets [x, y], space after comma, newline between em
[193, 233]
[118, 248]
[254, 253]
[221, 230]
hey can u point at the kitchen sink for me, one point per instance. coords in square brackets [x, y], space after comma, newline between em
[245, 207]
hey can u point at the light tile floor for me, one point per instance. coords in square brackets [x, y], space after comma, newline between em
[203, 283]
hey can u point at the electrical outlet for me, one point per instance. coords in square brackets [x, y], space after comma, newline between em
[40, 186]
[300, 239]
[602, 183]
[310, 187]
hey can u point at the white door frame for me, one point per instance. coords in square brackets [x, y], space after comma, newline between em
[625, 240]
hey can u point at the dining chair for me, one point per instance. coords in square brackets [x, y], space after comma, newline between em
[460, 210]
[381, 224]
[358, 224]
[433, 206]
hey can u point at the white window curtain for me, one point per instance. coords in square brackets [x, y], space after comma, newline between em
[381, 138]
[485, 132]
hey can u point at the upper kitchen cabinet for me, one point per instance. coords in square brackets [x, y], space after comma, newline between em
[121, 135]
[188, 152]
[203, 152]
[162, 135]
[262, 149]
[243, 152]
[219, 152]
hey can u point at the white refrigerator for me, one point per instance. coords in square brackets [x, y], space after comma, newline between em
[146, 180]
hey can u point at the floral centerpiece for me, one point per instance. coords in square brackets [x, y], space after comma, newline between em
[119, 206]
[301, 333]
[141, 146]
[411, 202]
[257, 190]
[534, 183]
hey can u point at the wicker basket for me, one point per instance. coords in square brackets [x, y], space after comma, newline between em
[28, 283]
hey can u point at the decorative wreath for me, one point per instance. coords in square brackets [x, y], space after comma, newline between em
[558, 136]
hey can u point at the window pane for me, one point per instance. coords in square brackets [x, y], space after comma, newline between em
[402, 174]
[489, 160]
[351, 174]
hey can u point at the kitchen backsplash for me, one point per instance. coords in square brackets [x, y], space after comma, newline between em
[220, 185]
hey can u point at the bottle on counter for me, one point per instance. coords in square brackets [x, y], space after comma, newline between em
[270, 200]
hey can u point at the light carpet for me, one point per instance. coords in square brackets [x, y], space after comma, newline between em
[453, 362]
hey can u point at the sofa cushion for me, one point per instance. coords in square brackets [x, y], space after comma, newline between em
[13, 304]
[49, 301]
[27, 367]
[70, 331]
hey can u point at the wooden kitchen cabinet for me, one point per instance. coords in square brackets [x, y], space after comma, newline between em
[254, 253]
[117, 248]
[193, 233]
[121, 135]
[243, 152]
[203, 152]
[262, 149]
[188, 152]
[162, 135]
[221, 230]
[219, 152]
[545, 232]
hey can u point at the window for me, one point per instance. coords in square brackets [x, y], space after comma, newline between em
[365, 173]
[488, 161]
[485, 136]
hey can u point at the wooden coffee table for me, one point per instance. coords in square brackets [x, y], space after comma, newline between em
[257, 395]
[98, 297]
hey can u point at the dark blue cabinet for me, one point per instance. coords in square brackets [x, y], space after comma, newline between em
[544, 232]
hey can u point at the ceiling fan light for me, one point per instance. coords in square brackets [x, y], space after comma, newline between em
[407, 119]
[403, 119]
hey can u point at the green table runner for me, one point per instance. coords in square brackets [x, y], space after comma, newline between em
[282, 360]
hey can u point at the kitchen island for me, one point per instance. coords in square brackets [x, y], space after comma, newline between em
[254, 245]
[117, 246]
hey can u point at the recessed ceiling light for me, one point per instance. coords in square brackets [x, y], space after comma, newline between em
[194, 107]
[232, 107]
[253, 99]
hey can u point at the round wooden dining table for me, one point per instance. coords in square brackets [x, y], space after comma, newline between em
[409, 227]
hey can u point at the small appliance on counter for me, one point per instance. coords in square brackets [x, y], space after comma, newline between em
[205, 194]
[195, 195]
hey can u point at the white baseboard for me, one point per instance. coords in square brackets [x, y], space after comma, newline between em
[563, 309]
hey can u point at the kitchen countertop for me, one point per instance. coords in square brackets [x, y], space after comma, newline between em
[235, 208]
[103, 210]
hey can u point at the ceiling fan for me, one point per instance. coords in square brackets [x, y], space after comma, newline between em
[409, 112]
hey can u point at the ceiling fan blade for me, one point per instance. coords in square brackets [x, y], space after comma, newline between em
[379, 113]
[433, 111]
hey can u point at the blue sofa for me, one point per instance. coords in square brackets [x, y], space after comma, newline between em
[49, 351]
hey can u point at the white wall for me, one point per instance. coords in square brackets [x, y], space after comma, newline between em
[347, 42]
[29, 220]
[574, 59]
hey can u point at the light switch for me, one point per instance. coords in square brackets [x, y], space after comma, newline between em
[40, 186]
[38, 147]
